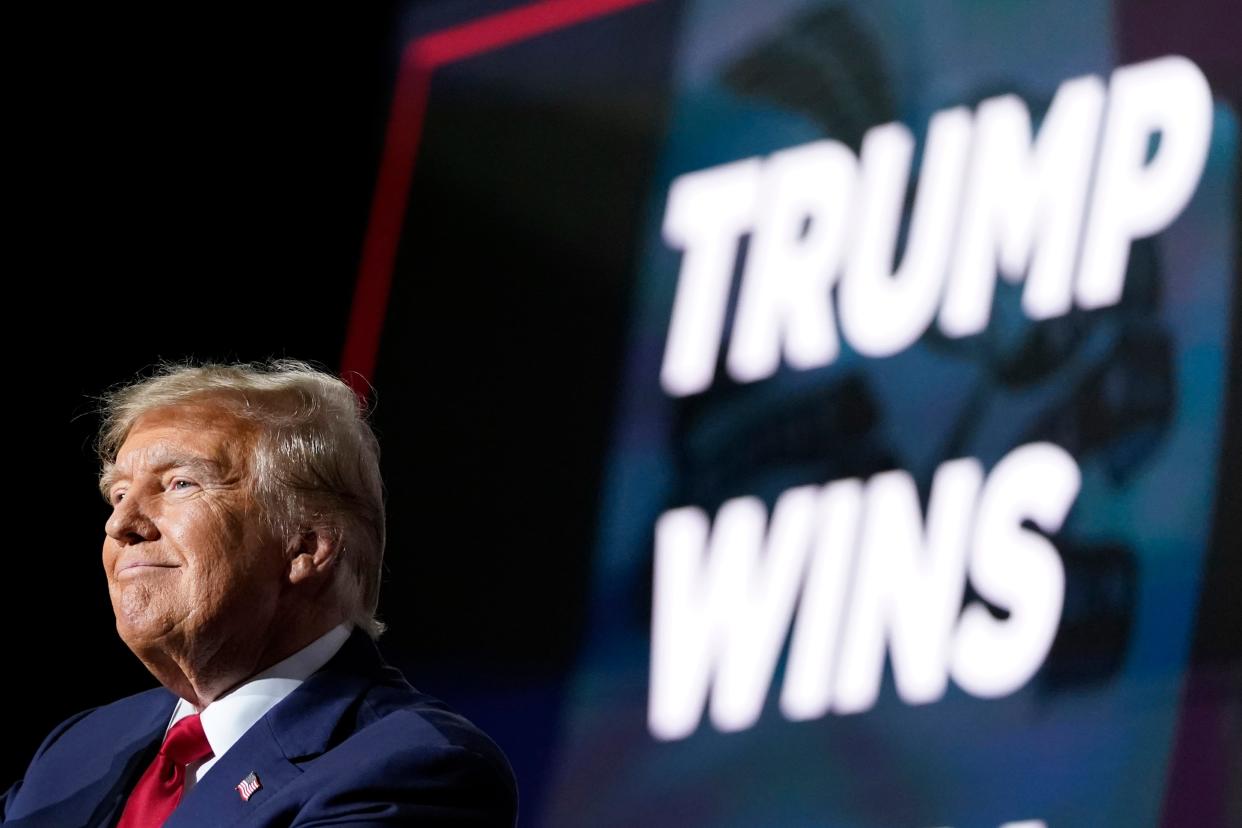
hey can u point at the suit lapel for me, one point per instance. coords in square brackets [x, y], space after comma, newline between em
[214, 801]
[132, 757]
[96, 793]
[298, 729]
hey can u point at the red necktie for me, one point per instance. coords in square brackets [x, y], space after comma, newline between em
[159, 790]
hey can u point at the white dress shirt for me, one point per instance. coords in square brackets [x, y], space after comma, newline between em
[227, 718]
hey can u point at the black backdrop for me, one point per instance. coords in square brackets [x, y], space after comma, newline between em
[188, 186]
[199, 186]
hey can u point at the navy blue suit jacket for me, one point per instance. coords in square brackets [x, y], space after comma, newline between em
[353, 745]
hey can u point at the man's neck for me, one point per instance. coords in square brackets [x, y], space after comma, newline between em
[200, 675]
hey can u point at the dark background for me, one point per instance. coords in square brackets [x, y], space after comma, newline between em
[187, 186]
[198, 186]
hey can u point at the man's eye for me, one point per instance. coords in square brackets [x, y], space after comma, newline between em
[181, 485]
[117, 497]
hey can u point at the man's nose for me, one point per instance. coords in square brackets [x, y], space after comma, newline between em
[129, 523]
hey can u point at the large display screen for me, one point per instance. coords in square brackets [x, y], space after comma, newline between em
[914, 450]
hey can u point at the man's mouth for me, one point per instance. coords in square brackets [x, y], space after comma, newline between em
[137, 568]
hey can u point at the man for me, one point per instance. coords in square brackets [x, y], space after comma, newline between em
[243, 562]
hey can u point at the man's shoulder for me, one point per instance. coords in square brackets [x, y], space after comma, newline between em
[358, 731]
[396, 703]
[84, 758]
[416, 723]
[145, 704]
[109, 722]
[94, 736]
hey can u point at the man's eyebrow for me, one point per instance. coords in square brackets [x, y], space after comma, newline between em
[107, 478]
[158, 463]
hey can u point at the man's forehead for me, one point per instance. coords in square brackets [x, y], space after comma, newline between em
[164, 453]
[177, 434]
[207, 413]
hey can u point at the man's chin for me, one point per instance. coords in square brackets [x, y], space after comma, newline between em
[145, 640]
[144, 629]
[160, 650]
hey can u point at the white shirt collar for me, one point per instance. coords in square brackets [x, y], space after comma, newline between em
[227, 718]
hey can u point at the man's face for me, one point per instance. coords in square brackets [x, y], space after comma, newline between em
[191, 567]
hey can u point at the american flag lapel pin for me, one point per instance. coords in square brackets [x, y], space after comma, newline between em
[248, 786]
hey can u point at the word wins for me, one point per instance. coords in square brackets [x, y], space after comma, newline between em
[867, 575]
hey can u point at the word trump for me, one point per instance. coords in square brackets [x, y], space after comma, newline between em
[1057, 211]
[866, 574]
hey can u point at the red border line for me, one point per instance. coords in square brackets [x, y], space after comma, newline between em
[422, 56]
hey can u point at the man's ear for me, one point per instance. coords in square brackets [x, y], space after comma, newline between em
[313, 554]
